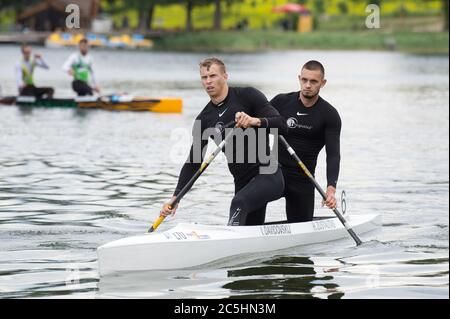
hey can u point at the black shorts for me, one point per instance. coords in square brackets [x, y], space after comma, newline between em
[249, 203]
[81, 88]
[37, 92]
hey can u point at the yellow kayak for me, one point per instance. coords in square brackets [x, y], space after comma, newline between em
[159, 105]
[119, 103]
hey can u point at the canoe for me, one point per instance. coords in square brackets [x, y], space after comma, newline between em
[7, 100]
[189, 245]
[121, 103]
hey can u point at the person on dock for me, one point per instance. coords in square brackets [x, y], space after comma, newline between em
[25, 74]
[250, 110]
[312, 124]
[79, 66]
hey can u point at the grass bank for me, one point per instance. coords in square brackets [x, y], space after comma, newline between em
[255, 41]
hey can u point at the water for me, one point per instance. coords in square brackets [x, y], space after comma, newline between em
[71, 180]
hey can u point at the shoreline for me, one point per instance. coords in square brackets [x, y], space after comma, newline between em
[260, 41]
[426, 43]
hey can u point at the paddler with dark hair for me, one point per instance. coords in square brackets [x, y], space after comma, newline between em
[312, 124]
[79, 66]
[250, 109]
[25, 74]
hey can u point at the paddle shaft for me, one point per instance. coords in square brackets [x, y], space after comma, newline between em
[319, 189]
[174, 201]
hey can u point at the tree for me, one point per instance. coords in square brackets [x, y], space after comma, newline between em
[218, 15]
[343, 7]
[445, 9]
[190, 4]
[189, 8]
[145, 9]
[319, 6]
[218, 12]
[16, 5]
[217, 23]
[375, 2]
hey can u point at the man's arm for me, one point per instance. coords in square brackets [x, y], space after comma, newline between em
[91, 70]
[40, 62]
[332, 147]
[268, 116]
[276, 102]
[94, 79]
[67, 66]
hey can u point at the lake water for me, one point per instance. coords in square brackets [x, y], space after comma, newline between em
[73, 180]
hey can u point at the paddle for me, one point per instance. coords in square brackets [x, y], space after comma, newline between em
[324, 195]
[174, 201]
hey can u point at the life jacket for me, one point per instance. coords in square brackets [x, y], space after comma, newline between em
[27, 72]
[81, 70]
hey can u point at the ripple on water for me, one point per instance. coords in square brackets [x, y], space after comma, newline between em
[71, 181]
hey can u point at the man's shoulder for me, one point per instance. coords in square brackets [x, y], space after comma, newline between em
[284, 97]
[287, 95]
[73, 56]
[244, 90]
[327, 105]
[329, 109]
[249, 95]
[204, 112]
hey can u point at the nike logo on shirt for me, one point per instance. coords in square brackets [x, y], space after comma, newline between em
[220, 114]
[300, 114]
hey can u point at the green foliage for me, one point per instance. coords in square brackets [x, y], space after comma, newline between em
[257, 14]
[343, 8]
[16, 4]
[255, 41]
[319, 6]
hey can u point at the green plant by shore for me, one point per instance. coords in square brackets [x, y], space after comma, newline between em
[254, 41]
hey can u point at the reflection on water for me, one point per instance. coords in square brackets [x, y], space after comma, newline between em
[72, 180]
[282, 277]
[374, 271]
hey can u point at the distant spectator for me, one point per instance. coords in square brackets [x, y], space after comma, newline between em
[285, 24]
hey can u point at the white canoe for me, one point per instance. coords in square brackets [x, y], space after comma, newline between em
[188, 245]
